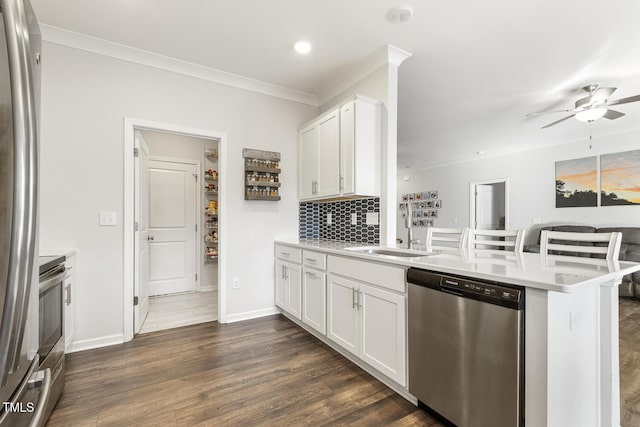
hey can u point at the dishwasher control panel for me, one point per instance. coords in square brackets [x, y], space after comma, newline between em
[491, 291]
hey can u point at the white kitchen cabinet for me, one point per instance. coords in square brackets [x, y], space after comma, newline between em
[370, 323]
[314, 297]
[288, 284]
[68, 299]
[339, 152]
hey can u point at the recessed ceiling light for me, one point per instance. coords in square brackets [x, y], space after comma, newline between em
[302, 47]
[400, 14]
[479, 153]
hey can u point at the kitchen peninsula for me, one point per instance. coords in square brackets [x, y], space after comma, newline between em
[571, 368]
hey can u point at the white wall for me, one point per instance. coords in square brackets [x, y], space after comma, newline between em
[531, 177]
[374, 85]
[85, 98]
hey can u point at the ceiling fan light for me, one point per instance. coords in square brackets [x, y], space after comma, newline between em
[591, 114]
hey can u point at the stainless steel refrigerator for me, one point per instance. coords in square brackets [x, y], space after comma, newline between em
[24, 389]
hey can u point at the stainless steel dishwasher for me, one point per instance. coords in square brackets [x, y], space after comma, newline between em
[466, 348]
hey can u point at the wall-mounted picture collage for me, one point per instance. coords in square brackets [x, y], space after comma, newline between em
[423, 206]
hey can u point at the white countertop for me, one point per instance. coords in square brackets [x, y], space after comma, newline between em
[527, 269]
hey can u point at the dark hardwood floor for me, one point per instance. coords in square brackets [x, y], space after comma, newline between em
[259, 372]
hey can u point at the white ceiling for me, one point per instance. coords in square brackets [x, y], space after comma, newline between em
[477, 67]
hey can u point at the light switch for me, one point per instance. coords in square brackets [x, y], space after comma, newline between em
[373, 218]
[108, 219]
[354, 218]
[535, 221]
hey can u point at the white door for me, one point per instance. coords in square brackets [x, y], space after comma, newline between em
[308, 161]
[172, 227]
[485, 212]
[314, 297]
[342, 312]
[329, 158]
[141, 251]
[347, 147]
[281, 285]
[294, 290]
[383, 332]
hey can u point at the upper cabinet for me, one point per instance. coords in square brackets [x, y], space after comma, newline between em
[339, 152]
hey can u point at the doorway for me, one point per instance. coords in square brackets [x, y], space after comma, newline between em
[187, 292]
[489, 204]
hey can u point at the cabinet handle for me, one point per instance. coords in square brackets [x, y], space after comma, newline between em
[286, 272]
[359, 302]
[341, 182]
[311, 260]
[68, 288]
[285, 253]
[312, 275]
[353, 297]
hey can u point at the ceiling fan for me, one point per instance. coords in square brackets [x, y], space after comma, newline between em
[593, 106]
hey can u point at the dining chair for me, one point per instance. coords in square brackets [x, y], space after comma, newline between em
[499, 241]
[563, 244]
[439, 238]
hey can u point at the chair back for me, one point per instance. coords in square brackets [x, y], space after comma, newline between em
[496, 240]
[446, 238]
[584, 245]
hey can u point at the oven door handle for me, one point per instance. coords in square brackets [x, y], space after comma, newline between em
[52, 281]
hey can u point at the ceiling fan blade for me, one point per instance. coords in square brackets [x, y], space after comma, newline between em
[547, 112]
[613, 114]
[557, 121]
[601, 94]
[635, 98]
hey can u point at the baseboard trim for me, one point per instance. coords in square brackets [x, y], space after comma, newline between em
[207, 288]
[95, 343]
[254, 314]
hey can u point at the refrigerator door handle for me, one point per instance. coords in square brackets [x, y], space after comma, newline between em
[24, 211]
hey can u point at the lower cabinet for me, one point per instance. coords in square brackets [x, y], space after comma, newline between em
[370, 323]
[68, 301]
[314, 297]
[289, 287]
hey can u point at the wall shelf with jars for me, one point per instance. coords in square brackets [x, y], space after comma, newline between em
[262, 174]
[211, 208]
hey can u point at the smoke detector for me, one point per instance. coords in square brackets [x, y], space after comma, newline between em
[400, 14]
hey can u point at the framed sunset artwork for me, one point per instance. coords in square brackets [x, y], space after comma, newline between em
[577, 182]
[620, 178]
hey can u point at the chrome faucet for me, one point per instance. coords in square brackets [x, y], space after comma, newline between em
[408, 223]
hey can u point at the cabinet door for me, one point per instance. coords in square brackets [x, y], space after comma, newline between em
[329, 156]
[308, 162]
[314, 297]
[347, 147]
[281, 285]
[383, 342]
[342, 313]
[294, 289]
[68, 300]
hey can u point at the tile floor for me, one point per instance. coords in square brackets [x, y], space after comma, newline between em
[172, 311]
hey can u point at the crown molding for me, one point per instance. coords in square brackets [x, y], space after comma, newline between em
[99, 46]
[387, 55]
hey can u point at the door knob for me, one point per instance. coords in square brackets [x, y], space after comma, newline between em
[149, 238]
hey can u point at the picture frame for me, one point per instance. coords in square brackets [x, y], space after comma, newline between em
[405, 197]
[430, 204]
[423, 222]
[433, 194]
[418, 196]
[437, 204]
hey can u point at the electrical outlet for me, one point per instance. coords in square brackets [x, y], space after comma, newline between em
[354, 218]
[535, 221]
[108, 219]
[236, 283]
[373, 218]
[329, 218]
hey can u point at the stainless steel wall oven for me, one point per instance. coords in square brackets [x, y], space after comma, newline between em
[50, 331]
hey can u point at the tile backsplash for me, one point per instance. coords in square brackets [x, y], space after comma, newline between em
[313, 220]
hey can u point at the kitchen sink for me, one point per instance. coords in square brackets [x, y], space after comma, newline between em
[375, 250]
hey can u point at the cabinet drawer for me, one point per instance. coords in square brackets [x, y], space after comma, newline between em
[289, 253]
[314, 259]
[385, 276]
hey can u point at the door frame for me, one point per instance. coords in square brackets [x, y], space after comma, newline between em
[130, 125]
[198, 165]
[472, 199]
